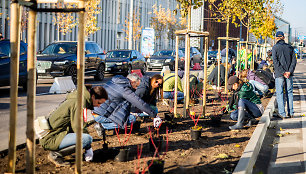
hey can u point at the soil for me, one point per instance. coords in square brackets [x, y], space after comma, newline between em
[217, 151]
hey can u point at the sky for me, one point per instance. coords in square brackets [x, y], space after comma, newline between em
[295, 14]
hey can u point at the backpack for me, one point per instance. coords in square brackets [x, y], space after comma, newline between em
[267, 77]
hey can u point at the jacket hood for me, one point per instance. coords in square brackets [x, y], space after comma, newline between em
[87, 98]
[123, 81]
[247, 87]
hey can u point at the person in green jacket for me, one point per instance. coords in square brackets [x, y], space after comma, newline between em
[169, 84]
[248, 106]
[61, 139]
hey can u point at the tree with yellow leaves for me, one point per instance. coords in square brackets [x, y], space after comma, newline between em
[159, 21]
[136, 28]
[66, 21]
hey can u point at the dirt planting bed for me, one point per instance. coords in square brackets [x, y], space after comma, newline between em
[217, 151]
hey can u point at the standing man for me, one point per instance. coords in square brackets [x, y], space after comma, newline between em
[284, 65]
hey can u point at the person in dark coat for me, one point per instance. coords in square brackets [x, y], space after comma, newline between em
[284, 64]
[116, 109]
[148, 91]
[149, 88]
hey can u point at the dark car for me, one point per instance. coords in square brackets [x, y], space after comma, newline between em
[165, 58]
[60, 59]
[195, 56]
[5, 59]
[124, 61]
[212, 57]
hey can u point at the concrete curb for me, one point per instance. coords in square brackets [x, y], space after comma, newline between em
[249, 156]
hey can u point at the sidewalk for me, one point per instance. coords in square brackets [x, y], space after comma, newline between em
[289, 148]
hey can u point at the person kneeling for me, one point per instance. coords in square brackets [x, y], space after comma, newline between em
[61, 139]
[248, 106]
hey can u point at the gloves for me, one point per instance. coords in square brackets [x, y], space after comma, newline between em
[157, 122]
[88, 155]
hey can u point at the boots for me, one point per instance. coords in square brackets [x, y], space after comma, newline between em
[240, 120]
[57, 157]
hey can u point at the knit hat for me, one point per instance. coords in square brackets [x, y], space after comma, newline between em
[232, 80]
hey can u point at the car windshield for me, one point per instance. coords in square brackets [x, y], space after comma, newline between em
[61, 48]
[183, 50]
[118, 54]
[163, 53]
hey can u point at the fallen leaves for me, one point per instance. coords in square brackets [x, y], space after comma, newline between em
[222, 156]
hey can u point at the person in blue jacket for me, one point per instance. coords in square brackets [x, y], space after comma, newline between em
[116, 110]
[284, 65]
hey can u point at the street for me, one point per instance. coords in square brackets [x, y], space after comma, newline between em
[45, 103]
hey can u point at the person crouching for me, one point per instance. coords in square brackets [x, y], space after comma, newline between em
[248, 106]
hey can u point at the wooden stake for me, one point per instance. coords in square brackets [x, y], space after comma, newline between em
[176, 74]
[219, 57]
[205, 75]
[238, 58]
[226, 63]
[31, 98]
[187, 71]
[14, 78]
[80, 83]
[187, 66]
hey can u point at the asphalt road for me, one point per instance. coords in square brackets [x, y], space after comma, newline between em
[45, 103]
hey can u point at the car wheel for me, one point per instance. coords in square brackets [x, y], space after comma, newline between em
[100, 73]
[144, 69]
[72, 71]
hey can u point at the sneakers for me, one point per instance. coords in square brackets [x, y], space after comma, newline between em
[57, 159]
[88, 155]
[99, 129]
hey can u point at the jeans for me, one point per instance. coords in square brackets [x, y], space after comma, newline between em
[108, 124]
[170, 95]
[259, 87]
[280, 84]
[70, 139]
[252, 111]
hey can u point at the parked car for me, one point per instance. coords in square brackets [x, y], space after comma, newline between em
[5, 61]
[212, 57]
[60, 59]
[124, 61]
[195, 56]
[165, 58]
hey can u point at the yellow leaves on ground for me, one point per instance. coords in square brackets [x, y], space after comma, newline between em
[237, 145]
[222, 156]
